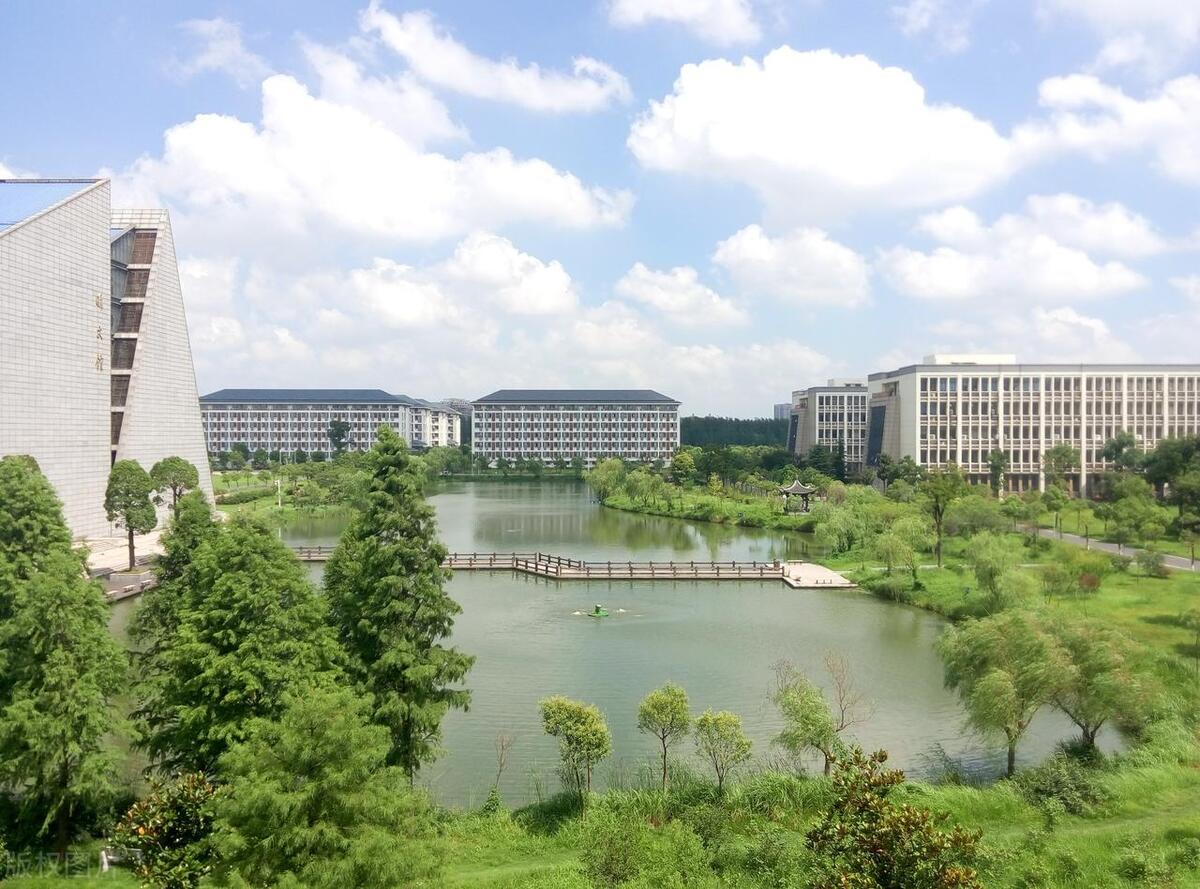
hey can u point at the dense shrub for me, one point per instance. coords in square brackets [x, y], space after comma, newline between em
[893, 588]
[1065, 780]
[170, 831]
[246, 495]
[779, 859]
[775, 795]
[613, 847]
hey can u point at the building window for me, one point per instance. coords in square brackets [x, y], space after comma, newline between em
[122, 354]
[120, 390]
[143, 247]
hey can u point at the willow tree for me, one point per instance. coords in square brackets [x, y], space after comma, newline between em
[1005, 668]
[384, 584]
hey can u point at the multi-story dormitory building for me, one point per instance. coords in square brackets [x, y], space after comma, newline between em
[959, 409]
[291, 420]
[638, 425]
[828, 416]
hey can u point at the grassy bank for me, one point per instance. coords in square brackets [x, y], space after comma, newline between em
[723, 509]
[1127, 824]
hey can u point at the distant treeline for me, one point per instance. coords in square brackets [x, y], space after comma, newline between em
[706, 432]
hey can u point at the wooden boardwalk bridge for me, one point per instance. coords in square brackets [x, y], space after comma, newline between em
[799, 575]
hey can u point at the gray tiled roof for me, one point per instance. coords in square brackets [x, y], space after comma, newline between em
[304, 396]
[584, 396]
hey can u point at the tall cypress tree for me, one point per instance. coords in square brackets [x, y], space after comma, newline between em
[157, 615]
[384, 586]
[61, 667]
[248, 629]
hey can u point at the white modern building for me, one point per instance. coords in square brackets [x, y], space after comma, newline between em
[828, 416]
[960, 408]
[285, 421]
[782, 410]
[95, 361]
[638, 425]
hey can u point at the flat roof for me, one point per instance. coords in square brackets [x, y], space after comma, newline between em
[575, 396]
[1012, 369]
[23, 198]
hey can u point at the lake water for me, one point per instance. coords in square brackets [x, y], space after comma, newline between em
[718, 640]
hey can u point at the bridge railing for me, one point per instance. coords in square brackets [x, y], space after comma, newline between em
[550, 565]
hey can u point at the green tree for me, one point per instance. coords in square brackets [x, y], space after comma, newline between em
[1104, 683]
[237, 460]
[811, 722]
[808, 721]
[891, 549]
[1005, 668]
[1185, 491]
[155, 621]
[1122, 451]
[127, 501]
[32, 530]
[998, 464]
[176, 475]
[391, 614]
[312, 803]
[1055, 499]
[939, 490]
[915, 532]
[339, 435]
[664, 714]
[60, 668]
[260, 459]
[171, 832]
[866, 840]
[683, 467]
[250, 629]
[994, 558]
[583, 740]
[607, 477]
[1057, 462]
[972, 514]
[721, 740]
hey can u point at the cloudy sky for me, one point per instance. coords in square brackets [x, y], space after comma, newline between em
[720, 199]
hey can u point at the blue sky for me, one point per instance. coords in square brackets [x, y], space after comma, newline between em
[720, 199]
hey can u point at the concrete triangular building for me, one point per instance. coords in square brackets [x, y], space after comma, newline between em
[95, 360]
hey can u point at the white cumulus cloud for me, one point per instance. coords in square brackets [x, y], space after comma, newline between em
[802, 267]
[437, 58]
[1016, 259]
[405, 106]
[1088, 116]
[814, 132]
[679, 295]
[319, 164]
[520, 283]
[721, 22]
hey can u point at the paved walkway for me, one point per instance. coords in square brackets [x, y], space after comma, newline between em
[111, 554]
[810, 575]
[1179, 563]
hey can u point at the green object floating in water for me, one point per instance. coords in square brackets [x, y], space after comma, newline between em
[598, 611]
